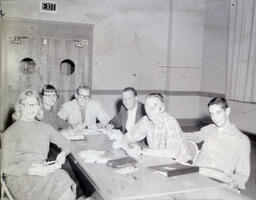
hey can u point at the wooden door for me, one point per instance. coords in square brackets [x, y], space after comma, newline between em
[48, 55]
[50, 47]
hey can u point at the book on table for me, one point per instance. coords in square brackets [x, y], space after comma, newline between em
[174, 169]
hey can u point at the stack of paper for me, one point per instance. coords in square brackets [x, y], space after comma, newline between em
[92, 156]
[114, 134]
[91, 131]
[72, 134]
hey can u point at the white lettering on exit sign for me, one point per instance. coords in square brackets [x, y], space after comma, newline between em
[48, 6]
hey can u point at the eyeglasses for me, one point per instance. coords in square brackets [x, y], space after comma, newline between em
[30, 105]
[83, 96]
[50, 95]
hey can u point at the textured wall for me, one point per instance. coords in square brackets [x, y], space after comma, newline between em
[214, 65]
[178, 46]
[186, 27]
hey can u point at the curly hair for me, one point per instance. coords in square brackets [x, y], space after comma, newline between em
[27, 93]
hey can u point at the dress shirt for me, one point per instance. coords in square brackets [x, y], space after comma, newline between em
[225, 154]
[71, 111]
[131, 118]
[165, 134]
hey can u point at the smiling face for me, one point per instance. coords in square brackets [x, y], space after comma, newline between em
[29, 108]
[49, 98]
[219, 116]
[154, 107]
[129, 99]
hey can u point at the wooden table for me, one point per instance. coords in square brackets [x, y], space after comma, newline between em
[144, 183]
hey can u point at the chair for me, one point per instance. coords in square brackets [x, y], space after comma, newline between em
[4, 189]
[192, 149]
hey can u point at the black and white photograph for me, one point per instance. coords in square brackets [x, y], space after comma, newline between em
[128, 99]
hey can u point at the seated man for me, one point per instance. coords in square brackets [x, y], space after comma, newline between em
[225, 154]
[83, 111]
[162, 131]
[131, 111]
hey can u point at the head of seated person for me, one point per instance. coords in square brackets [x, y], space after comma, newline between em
[83, 95]
[219, 112]
[49, 96]
[129, 98]
[154, 106]
[28, 106]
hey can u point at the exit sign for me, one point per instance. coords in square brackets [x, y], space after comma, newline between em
[48, 6]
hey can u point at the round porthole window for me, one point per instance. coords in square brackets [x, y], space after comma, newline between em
[67, 67]
[27, 66]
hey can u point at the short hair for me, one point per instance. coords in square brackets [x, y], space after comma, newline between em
[221, 101]
[48, 88]
[157, 95]
[133, 90]
[27, 93]
[83, 87]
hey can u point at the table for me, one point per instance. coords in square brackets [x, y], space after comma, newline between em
[144, 183]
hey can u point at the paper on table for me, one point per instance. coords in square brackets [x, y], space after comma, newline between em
[72, 134]
[91, 131]
[126, 170]
[157, 153]
[92, 156]
[113, 134]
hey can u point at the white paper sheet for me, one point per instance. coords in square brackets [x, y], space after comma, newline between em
[92, 156]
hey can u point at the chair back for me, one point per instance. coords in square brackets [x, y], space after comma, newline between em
[5, 193]
[192, 149]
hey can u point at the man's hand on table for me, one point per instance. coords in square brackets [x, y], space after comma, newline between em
[109, 127]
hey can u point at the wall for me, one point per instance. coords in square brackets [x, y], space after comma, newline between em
[176, 46]
[129, 44]
[214, 65]
[136, 43]
[214, 52]
[185, 57]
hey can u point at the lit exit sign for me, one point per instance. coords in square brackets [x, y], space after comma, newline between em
[48, 6]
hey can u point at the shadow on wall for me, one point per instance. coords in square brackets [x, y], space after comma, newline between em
[205, 120]
[9, 119]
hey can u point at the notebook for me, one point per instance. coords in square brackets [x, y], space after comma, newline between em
[174, 169]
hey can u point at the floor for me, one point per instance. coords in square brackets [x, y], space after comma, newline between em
[250, 190]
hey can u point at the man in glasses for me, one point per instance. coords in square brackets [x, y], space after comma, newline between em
[83, 111]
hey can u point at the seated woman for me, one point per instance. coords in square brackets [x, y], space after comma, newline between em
[25, 145]
[49, 97]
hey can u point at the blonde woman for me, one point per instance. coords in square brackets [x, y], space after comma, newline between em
[25, 145]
